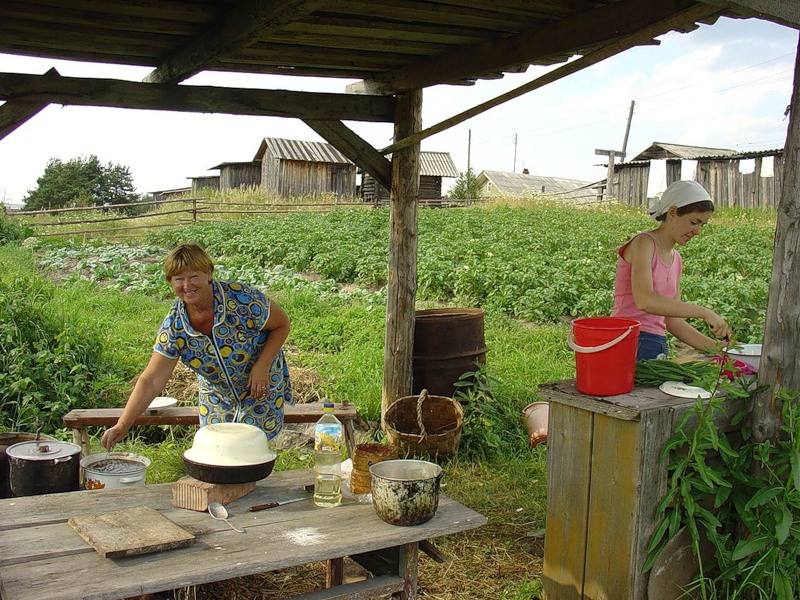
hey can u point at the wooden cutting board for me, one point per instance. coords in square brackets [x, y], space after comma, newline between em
[131, 532]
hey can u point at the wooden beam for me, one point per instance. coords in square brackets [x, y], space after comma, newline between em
[695, 13]
[567, 36]
[401, 279]
[38, 89]
[247, 22]
[355, 148]
[778, 11]
[14, 112]
[779, 367]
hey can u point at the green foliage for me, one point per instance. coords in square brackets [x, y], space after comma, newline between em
[491, 427]
[466, 186]
[12, 230]
[81, 182]
[47, 366]
[742, 496]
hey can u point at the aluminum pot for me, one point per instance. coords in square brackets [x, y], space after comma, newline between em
[112, 470]
[43, 467]
[406, 492]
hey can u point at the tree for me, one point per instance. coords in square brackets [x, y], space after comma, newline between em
[81, 182]
[466, 186]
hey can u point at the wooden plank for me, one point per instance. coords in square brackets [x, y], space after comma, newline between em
[131, 532]
[79, 91]
[611, 520]
[569, 455]
[362, 590]
[565, 392]
[193, 494]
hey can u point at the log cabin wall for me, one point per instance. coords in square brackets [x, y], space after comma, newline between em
[430, 188]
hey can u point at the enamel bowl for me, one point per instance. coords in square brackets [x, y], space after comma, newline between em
[749, 354]
[230, 444]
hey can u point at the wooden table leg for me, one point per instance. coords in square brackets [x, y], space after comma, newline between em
[349, 436]
[80, 437]
[334, 573]
[409, 559]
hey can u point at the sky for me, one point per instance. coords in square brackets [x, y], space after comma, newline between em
[724, 86]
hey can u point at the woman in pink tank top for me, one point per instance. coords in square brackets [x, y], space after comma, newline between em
[647, 286]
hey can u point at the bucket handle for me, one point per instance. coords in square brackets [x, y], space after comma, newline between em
[592, 349]
[422, 397]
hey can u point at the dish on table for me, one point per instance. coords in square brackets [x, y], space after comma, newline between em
[162, 402]
[682, 390]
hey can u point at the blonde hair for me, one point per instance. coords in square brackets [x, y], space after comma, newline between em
[187, 256]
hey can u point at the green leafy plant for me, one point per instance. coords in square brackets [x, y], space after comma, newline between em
[490, 427]
[742, 497]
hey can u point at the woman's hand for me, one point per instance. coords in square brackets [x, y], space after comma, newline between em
[113, 435]
[258, 381]
[717, 325]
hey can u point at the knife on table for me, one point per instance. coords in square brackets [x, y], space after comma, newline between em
[258, 507]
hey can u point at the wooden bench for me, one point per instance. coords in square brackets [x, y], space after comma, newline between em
[81, 418]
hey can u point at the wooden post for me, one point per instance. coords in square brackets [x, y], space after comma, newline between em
[194, 210]
[779, 366]
[610, 176]
[401, 281]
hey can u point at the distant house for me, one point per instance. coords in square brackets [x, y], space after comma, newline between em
[236, 175]
[204, 182]
[432, 167]
[498, 183]
[293, 168]
[719, 170]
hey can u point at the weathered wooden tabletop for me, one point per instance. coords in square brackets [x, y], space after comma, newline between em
[42, 557]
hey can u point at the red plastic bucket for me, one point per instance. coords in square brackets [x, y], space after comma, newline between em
[605, 354]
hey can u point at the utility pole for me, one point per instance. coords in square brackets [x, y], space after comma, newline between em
[627, 129]
[612, 154]
[469, 148]
[514, 170]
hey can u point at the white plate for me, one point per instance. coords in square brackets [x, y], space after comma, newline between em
[162, 402]
[681, 390]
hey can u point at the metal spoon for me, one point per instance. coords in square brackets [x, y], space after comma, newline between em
[218, 511]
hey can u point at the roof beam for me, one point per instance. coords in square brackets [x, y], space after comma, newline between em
[586, 29]
[247, 22]
[15, 112]
[778, 11]
[680, 19]
[40, 89]
[355, 148]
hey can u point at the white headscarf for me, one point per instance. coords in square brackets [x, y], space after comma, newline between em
[678, 194]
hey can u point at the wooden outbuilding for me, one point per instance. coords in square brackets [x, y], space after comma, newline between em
[172, 194]
[719, 170]
[204, 182]
[433, 166]
[238, 175]
[294, 168]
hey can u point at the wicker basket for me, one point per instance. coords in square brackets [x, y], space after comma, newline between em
[426, 424]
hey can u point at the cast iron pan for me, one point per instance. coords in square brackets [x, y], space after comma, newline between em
[220, 474]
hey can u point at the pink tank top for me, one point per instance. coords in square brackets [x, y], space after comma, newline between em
[665, 282]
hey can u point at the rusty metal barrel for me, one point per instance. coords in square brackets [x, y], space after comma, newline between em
[447, 343]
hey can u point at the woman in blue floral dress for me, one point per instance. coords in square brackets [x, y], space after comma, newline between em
[230, 334]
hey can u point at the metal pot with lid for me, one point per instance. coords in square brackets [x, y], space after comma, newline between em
[43, 467]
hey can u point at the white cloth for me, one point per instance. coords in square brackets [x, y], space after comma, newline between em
[678, 194]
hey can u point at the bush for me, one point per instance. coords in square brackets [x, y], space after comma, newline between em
[12, 231]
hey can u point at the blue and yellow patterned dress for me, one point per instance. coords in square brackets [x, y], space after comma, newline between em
[223, 361]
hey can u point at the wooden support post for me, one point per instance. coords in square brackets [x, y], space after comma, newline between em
[408, 563]
[610, 176]
[401, 282]
[334, 573]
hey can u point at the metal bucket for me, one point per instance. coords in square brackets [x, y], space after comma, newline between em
[406, 492]
[112, 470]
[447, 343]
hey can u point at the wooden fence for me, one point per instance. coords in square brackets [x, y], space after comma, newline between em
[194, 210]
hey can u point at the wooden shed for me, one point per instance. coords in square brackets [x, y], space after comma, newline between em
[719, 170]
[236, 175]
[499, 183]
[294, 168]
[172, 194]
[433, 166]
[204, 182]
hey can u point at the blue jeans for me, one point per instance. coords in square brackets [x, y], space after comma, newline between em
[651, 346]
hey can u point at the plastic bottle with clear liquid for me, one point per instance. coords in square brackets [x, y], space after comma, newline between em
[328, 436]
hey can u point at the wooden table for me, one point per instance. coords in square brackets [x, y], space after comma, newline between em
[42, 557]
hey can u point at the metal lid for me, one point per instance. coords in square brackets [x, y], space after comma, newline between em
[42, 450]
